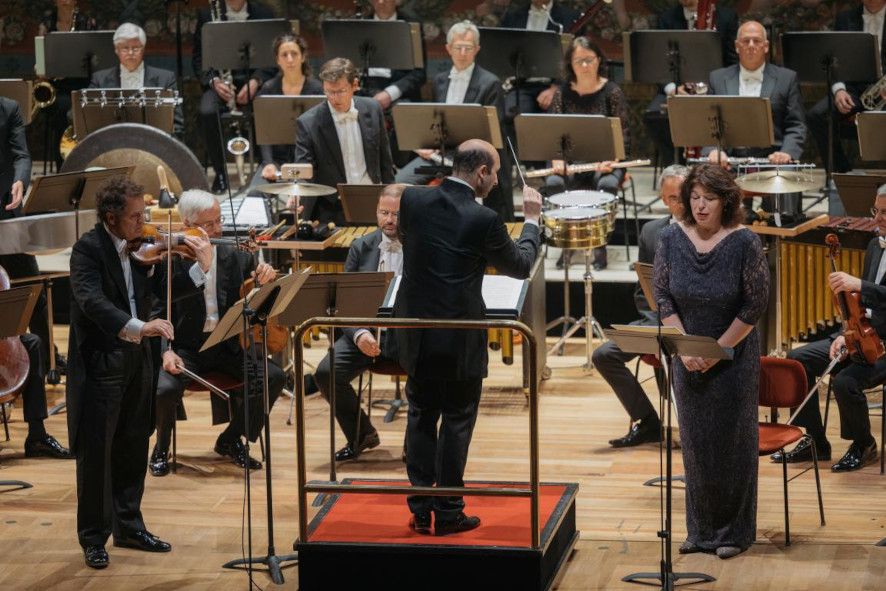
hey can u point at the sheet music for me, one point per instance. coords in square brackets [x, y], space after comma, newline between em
[250, 212]
[499, 292]
[641, 329]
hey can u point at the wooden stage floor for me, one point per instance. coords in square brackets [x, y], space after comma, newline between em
[200, 509]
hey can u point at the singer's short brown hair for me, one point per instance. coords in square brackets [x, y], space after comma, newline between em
[338, 68]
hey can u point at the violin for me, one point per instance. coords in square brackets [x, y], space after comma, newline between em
[154, 244]
[862, 341]
[13, 359]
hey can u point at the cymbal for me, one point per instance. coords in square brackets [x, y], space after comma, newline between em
[302, 189]
[775, 182]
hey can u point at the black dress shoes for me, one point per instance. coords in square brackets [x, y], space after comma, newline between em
[159, 464]
[310, 384]
[95, 556]
[461, 523]
[803, 452]
[349, 453]
[220, 184]
[237, 452]
[420, 523]
[142, 540]
[48, 447]
[857, 457]
[643, 431]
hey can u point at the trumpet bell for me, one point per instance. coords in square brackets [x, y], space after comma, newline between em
[238, 146]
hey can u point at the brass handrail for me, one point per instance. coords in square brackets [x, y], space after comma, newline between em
[304, 487]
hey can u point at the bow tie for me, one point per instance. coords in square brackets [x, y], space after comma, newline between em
[390, 246]
[752, 76]
[538, 11]
[455, 75]
[350, 115]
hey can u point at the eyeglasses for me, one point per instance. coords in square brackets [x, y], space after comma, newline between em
[336, 93]
[875, 212]
[584, 62]
[384, 213]
[216, 222]
[133, 50]
[463, 48]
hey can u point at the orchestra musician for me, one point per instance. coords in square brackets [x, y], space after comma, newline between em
[755, 76]
[852, 377]
[109, 395]
[293, 79]
[15, 176]
[588, 91]
[216, 93]
[466, 82]
[358, 348]
[869, 16]
[448, 240]
[608, 358]
[194, 318]
[133, 72]
[344, 139]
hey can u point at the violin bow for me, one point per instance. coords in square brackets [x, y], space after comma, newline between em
[167, 201]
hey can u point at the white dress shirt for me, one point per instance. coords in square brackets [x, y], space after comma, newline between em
[210, 293]
[347, 128]
[134, 79]
[385, 72]
[458, 85]
[538, 17]
[691, 17]
[132, 330]
[873, 24]
[237, 15]
[750, 82]
[389, 261]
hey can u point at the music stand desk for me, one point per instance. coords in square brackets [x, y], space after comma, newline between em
[857, 191]
[742, 121]
[276, 117]
[360, 202]
[853, 55]
[521, 54]
[20, 91]
[68, 191]
[246, 45]
[374, 44]
[78, 54]
[92, 117]
[421, 125]
[588, 138]
[871, 127]
[649, 55]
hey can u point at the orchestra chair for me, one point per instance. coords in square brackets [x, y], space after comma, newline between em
[880, 405]
[657, 370]
[381, 367]
[783, 385]
[627, 182]
[219, 380]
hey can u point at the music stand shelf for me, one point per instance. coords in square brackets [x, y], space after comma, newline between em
[304, 244]
[792, 232]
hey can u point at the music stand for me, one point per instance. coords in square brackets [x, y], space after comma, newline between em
[732, 121]
[374, 44]
[659, 57]
[19, 91]
[92, 117]
[335, 294]
[828, 57]
[857, 192]
[17, 304]
[590, 138]
[78, 54]
[871, 127]
[360, 202]
[520, 54]
[276, 117]
[262, 306]
[662, 341]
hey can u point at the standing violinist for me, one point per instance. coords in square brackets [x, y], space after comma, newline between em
[853, 376]
[110, 403]
[194, 318]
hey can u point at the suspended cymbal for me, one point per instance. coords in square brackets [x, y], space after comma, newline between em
[776, 182]
[302, 189]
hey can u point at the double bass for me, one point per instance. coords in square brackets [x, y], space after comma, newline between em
[862, 341]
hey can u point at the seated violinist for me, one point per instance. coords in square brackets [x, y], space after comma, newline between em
[853, 375]
[194, 318]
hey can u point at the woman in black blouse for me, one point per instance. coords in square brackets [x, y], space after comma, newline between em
[586, 91]
[293, 79]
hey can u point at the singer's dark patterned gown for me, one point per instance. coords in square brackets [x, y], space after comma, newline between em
[717, 410]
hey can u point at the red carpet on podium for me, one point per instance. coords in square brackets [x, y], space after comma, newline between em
[384, 519]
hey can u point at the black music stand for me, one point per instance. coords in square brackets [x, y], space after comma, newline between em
[728, 121]
[335, 294]
[20, 91]
[589, 138]
[14, 323]
[359, 203]
[663, 342]
[374, 44]
[828, 57]
[257, 309]
[857, 191]
[95, 115]
[78, 54]
[871, 126]
[520, 54]
[276, 117]
[659, 57]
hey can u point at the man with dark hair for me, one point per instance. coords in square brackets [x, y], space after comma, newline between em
[358, 348]
[109, 387]
[343, 138]
[448, 240]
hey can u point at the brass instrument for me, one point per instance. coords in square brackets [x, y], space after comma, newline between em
[43, 93]
[226, 76]
[238, 146]
[872, 98]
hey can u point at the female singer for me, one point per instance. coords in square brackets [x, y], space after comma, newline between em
[586, 91]
[293, 79]
[711, 279]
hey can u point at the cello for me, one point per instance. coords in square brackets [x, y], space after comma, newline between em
[14, 362]
[862, 341]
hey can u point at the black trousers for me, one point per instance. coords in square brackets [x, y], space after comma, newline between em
[34, 390]
[844, 129]
[211, 106]
[438, 456]
[612, 362]
[350, 362]
[25, 265]
[223, 359]
[112, 450]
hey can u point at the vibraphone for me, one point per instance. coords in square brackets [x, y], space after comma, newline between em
[332, 260]
[807, 302]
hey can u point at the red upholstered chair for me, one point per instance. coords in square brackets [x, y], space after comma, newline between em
[219, 380]
[783, 385]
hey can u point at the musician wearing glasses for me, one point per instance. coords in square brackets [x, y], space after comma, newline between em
[344, 138]
[133, 72]
[853, 375]
[194, 318]
[357, 349]
[869, 16]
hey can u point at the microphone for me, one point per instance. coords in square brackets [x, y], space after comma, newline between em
[165, 198]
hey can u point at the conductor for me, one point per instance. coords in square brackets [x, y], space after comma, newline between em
[448, 240]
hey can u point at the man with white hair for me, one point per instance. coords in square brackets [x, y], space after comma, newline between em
[466, 82]
[194, 318]
[133, 73]
[853, 375]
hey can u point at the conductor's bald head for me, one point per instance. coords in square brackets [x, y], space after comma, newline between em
[476, 162]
